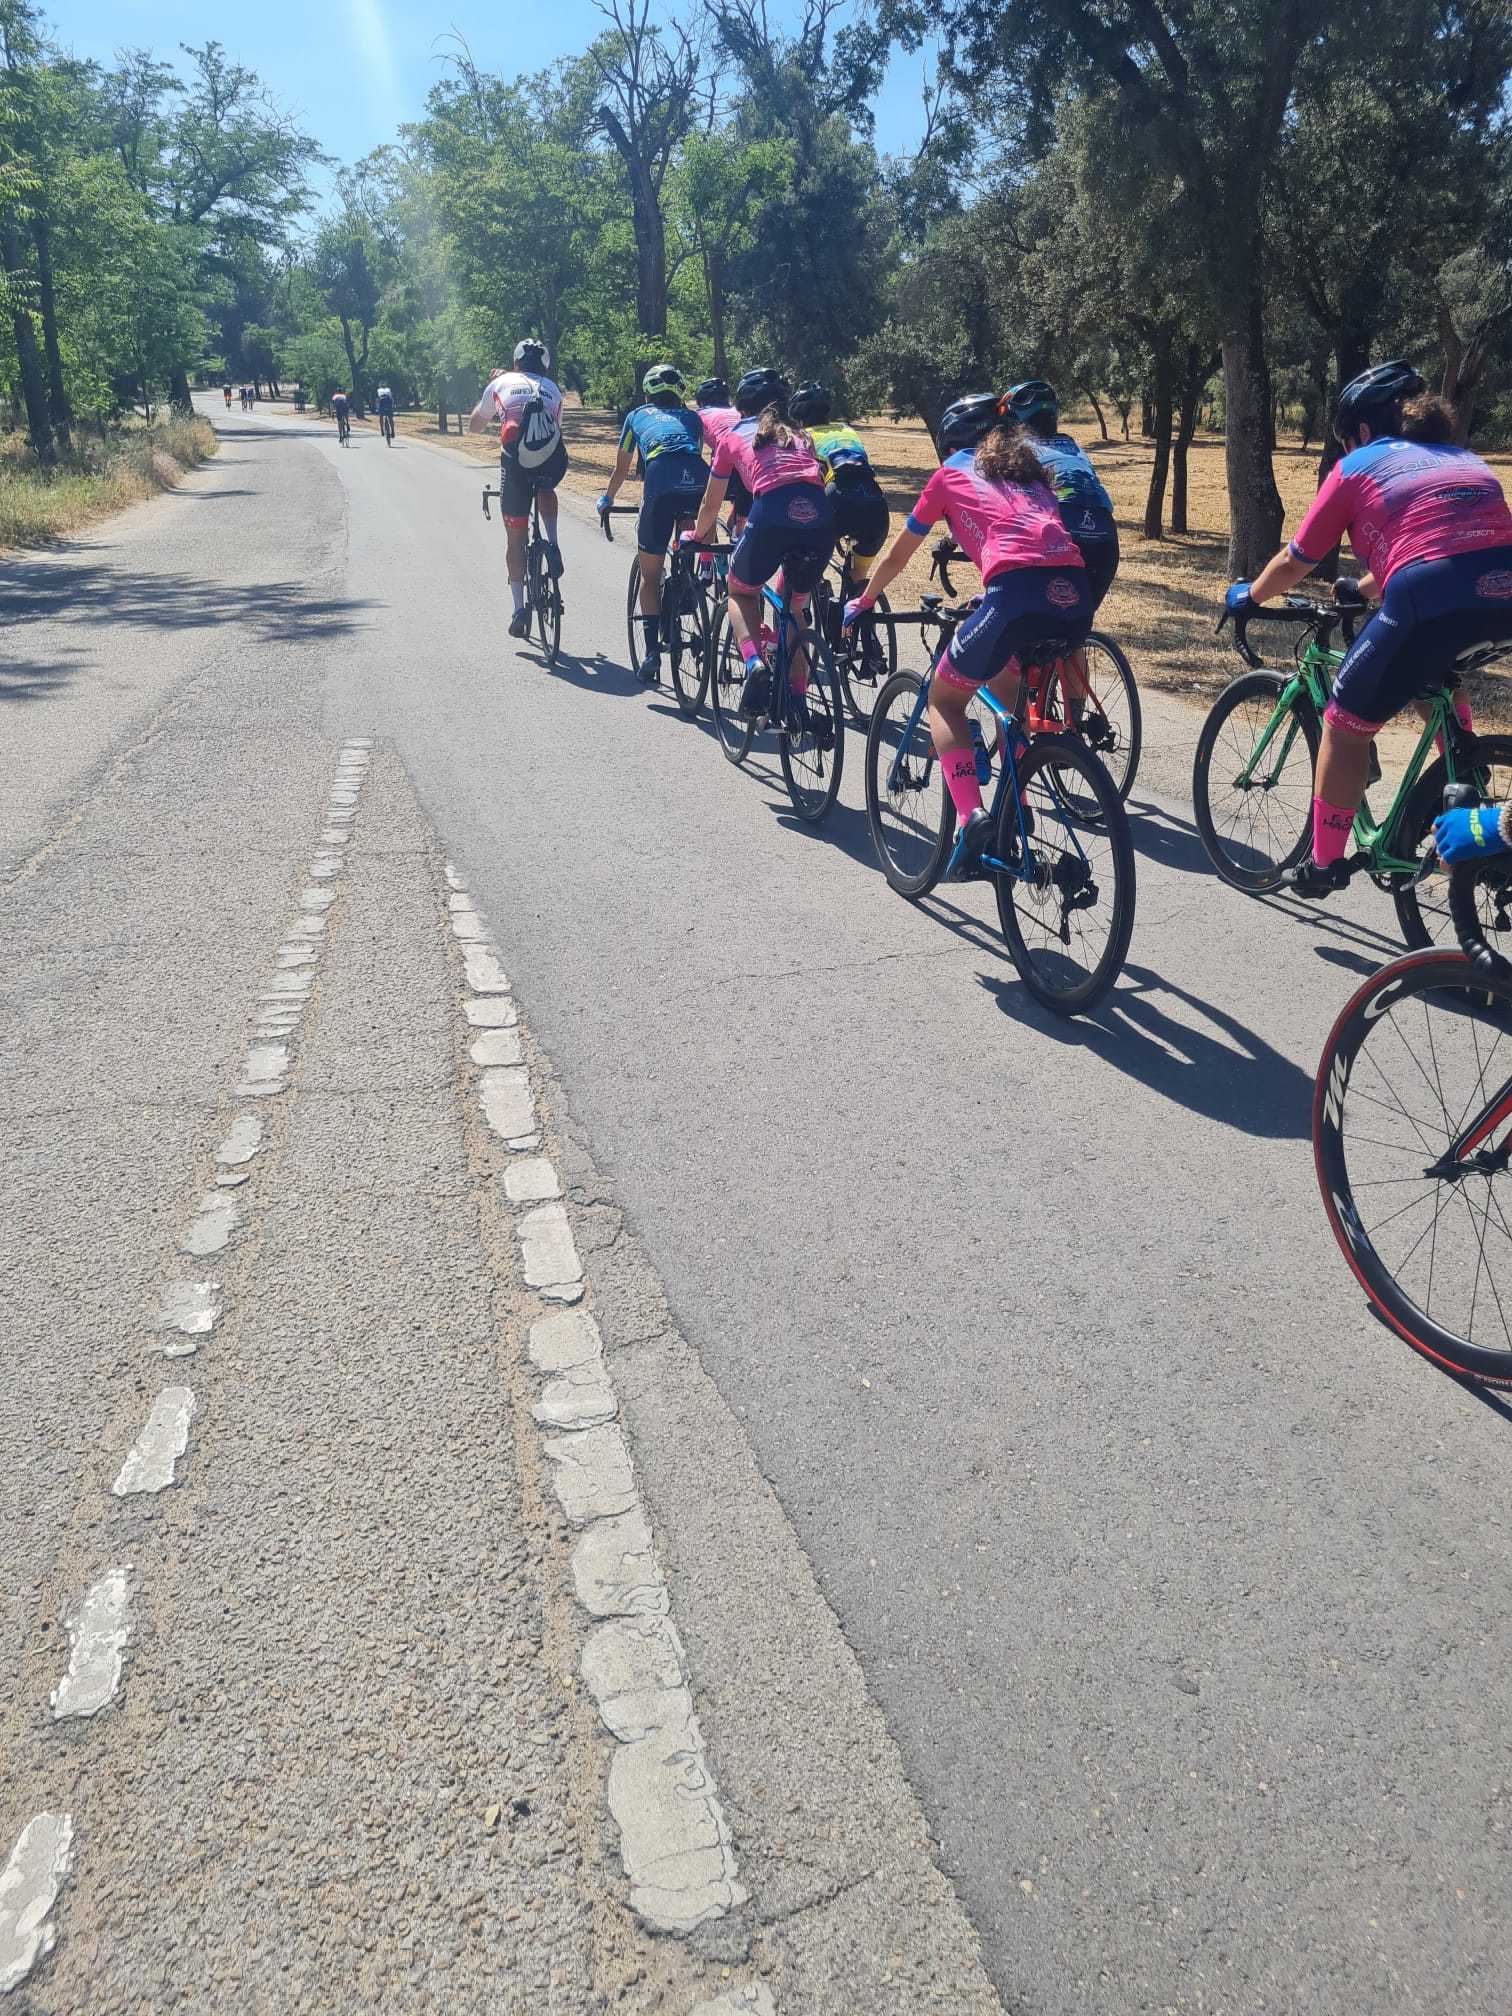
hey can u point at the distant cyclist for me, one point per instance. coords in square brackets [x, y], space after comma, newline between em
[991, 491]
[340, 414]
[384, 399]
[712, 399]
[227, 390]
[791, 524]
[1432, 527]
[667, 438]
[861, 513]
[526, 407]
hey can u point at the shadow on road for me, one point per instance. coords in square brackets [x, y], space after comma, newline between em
[1164, 839]
[1225, 1073]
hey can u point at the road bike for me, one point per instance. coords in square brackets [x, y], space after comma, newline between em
[1106, 717]
[543, 592]
[810, 723]
[683, 627]
[343, 428]
[866, 655]
[386, 426]
[1412, 1138]
[1062, 868]
[1252, 775]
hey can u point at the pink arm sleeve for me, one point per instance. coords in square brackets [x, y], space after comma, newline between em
[926, 511]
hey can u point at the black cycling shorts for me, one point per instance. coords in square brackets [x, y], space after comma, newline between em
[1431, 612]
[1020, 607]
[861, 515]
[674, 487]
[518, 486]
[791, 527]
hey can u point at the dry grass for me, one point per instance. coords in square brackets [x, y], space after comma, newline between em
[134, 462]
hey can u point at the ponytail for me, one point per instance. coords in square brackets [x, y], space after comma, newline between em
[1429, 418]
[1007, 456]
[772, 427]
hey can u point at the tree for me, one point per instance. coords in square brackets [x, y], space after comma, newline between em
[721, 188]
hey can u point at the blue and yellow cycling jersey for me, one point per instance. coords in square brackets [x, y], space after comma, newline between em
[1070, 474]
[841, 452]
[662, 430]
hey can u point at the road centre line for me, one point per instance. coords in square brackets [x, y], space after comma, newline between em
[34, 1874]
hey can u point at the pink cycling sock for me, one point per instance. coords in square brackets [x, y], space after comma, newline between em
[959, 766]
[1331, 824]
[1462, 713]
[750, 651]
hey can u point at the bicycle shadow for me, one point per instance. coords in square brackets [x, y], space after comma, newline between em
[596, 674]
[1166, 841]
[1232, 1075]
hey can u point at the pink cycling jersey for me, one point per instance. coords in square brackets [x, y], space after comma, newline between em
[717, 422]
[768, 467]
[996, 525]
[1402, 501]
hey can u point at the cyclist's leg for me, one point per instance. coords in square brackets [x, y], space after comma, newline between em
[1100, 559]
[1380, 675]
[802, 566]
[514, 509]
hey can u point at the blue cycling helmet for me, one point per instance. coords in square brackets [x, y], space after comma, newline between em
[759, 389]
[810, 403]
[1031, 399]
[712, 392]
[1376, 398]
[968, 421]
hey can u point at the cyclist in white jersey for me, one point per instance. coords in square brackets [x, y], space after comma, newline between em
[526, 407]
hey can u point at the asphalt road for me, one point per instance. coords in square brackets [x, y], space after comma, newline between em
[1175, 1580]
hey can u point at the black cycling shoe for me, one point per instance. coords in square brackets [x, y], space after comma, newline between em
[554, 562]
[519, 623]
[649, 669]
[1314, 882]
[756, 693]
[972, 842]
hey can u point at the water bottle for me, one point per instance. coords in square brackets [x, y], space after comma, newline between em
[979, 751]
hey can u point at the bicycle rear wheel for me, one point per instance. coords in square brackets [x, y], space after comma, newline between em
[546, 600]
[685, 637]
[729, 677]
[1109, 721]
[632, 613]
[813, 754]
[1422, 904]
[907, 806]
[1420, 1054]
[1255, 830]
[1068, 917]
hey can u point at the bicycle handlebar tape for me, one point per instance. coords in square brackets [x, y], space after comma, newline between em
[1466, 918]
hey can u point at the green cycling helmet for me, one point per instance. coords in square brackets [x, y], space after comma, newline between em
[662, 378]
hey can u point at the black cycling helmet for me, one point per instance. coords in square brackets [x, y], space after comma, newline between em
[809, 403]
[759, 389]
[712, 392]
[968, 420]
[1376, 397]
[531, 354]
[1031, 399]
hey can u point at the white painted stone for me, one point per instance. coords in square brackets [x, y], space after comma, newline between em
[484, 973]
[29, 1884]
[562, 1291]
[461, 902]
[264, 1069]
[243, 1139]
[182, 1347]
[615, 1571]
[151, 1458]
[471, 929]
[192, 1307]
[628, 1660]
[754, 1998]
[507, 1104]
[591, 1473]
[325, 867]
[343, 794]
[531, 1181]
[316, 899]
[285, 988]
[453, 879]
[523, 1143]
[97, 1636]
[307, 927]
[548, 1251]
[497, 1012]
[581, 1398]
[333, 836]
[557, 1343]
[674, 1840]
[231, 1179]
[212, 1225]
[496, 1047]
[290, 956]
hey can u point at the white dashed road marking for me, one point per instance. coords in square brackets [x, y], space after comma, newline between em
[151, 1459]
[29, 1886]
[97, 1640]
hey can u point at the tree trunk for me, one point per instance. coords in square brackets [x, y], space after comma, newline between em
[179, 396]
[441, 412]
[1160, 428]
[1194, 378]
[33, 382]
[650, 256]
[1093, 401]
[57, 396]
[1254, 501]
[714, 288]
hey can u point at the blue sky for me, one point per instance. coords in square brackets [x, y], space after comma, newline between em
[355, 69]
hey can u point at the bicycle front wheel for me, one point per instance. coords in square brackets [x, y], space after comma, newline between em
[685, 625]
[811, 743]
[1422, 902]
[1254, 813]
[728, 679]
[1418, 1065]
[907, 806]
[867, 661]
[1067, 909]
[546, 599]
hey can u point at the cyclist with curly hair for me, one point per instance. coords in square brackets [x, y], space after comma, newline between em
[666, 438]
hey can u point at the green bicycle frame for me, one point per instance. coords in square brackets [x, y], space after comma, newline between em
[1314, 677]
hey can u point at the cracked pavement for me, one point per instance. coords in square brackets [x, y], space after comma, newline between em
[1086, 1608]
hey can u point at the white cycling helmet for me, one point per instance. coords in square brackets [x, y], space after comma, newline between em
[532, 347]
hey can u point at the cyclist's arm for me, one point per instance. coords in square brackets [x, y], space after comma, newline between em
[622, 468]
[893, 561]
[708, 511]
[1279, 574]
[479, 422]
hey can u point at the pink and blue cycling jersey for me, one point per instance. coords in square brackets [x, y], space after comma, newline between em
[1402, 501]
[717, 422]
[996, 525]
[769, 467]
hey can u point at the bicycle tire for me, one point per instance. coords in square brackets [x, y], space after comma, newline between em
[1453, 996]
[632, 612]
[735, 732]
[1096, 824]
[1114, 729]
[1259, 691]
[912, 849]
[813, 762]
[546, 600]
[1423, 922]
[863, 689]
[688, 644]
